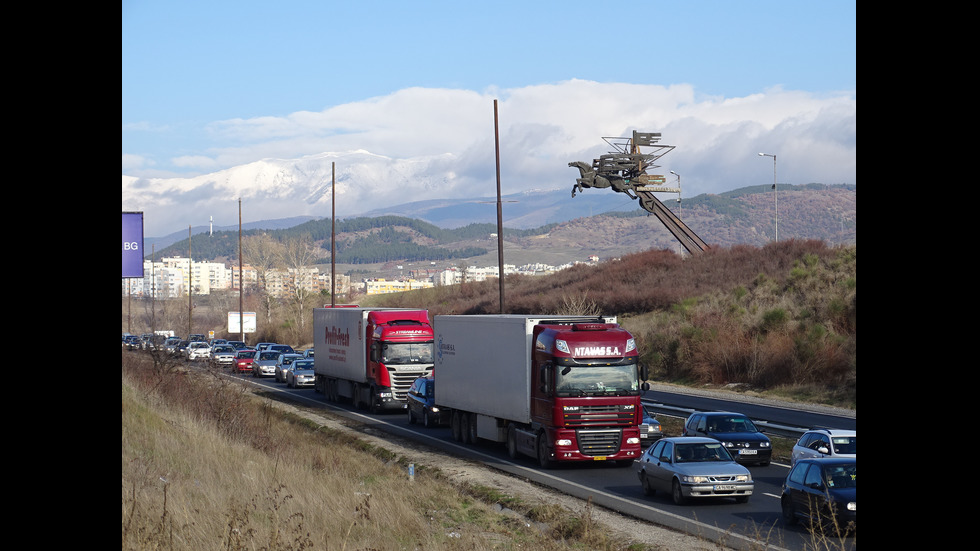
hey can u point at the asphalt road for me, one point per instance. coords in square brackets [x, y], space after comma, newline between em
[740, 526]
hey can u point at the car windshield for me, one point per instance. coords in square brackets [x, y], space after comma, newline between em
[300, 365]
[700, 452]
[267, 355]
[841, 476]
[245, 353]
[845, 444]
[731, 423]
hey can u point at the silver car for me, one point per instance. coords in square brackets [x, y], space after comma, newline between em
[693, 467]
[264, 364]
[283, 365]
[300, 374]
[223, 355]
[825, 443]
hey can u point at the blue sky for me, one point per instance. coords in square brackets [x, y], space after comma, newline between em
[211, 85]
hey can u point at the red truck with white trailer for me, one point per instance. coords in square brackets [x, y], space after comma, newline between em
[555, 388]
[370, 356]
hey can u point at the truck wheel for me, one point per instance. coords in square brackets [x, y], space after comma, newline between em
[471, 437]
[543, 459]
[454, 426]
[464, 427]
[511, 441]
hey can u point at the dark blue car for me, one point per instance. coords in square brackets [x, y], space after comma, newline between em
[823, 492]
[735, 431]
[422, 403]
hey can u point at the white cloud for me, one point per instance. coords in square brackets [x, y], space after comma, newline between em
[544, 127]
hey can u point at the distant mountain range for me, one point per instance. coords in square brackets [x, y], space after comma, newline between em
[608, 224]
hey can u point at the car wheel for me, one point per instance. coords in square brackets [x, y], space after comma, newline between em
[648, 490]
[789, 513]
[677, 493]
[411, 420]
[426, 420]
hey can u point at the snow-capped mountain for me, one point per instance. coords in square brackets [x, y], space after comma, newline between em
[440, 189]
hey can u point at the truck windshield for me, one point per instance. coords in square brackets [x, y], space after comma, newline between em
[596, 380]
[407, 353]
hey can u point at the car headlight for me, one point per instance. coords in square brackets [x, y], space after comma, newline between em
[743, 478]
[852, 506]
[765, 444]
[694, 479]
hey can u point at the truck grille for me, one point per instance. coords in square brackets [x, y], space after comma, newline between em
[599, 442]
[401, 381]
[598, 416]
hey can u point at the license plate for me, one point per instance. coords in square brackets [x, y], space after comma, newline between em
[599, 458]
[747, 452]
[724, 487]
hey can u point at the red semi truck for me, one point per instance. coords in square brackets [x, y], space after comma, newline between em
[555, 388]
[370, 356]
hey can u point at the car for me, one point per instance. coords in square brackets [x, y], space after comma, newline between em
[263, 345]
[223, 355]
[308, 353]
[282, 348]
[170, 345]
[821, 491]
[197, 350]
[650, 430]
[264, 364]
[215, 342]
[300, 374]
[239, 345]
[132, 342]
[421, 403]
[739, 435]
[282, 365]
[197, 337]
[819, 442]
[243, 360]
[181, 348]
[688, 467]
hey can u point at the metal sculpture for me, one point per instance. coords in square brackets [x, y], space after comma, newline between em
[624, 170]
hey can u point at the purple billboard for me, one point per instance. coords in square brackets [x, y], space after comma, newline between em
[132, 250]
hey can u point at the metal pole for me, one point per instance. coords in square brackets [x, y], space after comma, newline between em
[500, 216]
[775, 191]
[333, 243]
[190, 284]
[241, 277]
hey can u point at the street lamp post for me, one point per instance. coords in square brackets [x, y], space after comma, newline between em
[775, 191]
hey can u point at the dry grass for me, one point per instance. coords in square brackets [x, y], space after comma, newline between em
[194, 480]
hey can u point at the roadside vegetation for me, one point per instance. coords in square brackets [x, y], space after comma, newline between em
[780, 320]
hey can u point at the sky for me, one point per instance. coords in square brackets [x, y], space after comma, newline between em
[207, 86]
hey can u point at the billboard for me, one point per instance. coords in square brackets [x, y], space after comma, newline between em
[132, 246]
[235, 320]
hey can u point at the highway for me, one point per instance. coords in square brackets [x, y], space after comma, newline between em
[752, 525]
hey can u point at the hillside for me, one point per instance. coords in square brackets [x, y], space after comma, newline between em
[741, 217]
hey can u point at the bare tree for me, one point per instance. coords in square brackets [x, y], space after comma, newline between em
[263, 253]
[298, 256]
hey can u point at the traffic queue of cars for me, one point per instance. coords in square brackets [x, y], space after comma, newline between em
[710, 459]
